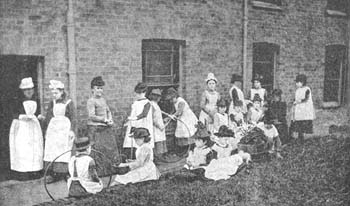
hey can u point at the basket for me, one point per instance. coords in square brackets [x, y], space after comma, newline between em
[254, 148]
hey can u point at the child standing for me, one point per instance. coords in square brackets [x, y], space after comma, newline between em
[257, 89]
[278, 109]
[160, 146]
[140, 116]
[208, 102]
[82, 169]
[272, 135]
[221, 117]
[255, 113]
[143, 168]
[185, 127]
[100, 127]
[236, 96]
[303, 108]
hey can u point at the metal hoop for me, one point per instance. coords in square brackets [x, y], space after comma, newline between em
[48, 166]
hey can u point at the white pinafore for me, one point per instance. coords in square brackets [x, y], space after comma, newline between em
[57, 135]
[261, 92]
[303, 110]
[210, 106]
[240, 94]
[26, 141]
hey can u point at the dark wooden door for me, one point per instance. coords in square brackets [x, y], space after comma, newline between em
[12, 69]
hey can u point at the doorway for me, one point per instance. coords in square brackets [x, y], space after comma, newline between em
[13, 68]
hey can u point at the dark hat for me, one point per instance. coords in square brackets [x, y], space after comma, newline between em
[224, 131]
[139, 132]
[97, 81]
[277, 92]
[202, 132]
[257, 77]
[171, 92]
[301, 78]
[156, 92]
[140, 87]
[221, 103]
[82, 143]
[257, 98]
[268, 117]
[236, 77]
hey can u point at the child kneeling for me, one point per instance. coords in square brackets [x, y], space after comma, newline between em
[83, 179]
[143, 168]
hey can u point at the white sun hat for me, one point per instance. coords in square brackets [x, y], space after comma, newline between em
[26, 83]
[55, 84]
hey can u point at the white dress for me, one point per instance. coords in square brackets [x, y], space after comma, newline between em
[240, 95]
[303, 110]
[142, 169]
[223, 168]
[82, 166]
[26, 141]
[186, 127]
[159, 135]
[57, 135]
[147, 122]
[261, 92]
[220, 120]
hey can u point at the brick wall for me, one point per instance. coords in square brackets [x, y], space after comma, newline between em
[109, 34]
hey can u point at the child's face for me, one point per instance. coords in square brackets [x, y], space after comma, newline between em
[222, 110]
[28, 93]
[199, 143]
[139, 141]
[140, 95]
[157, 98]
[174, 99]
[299, 84]
[256, 104]
[211, 85]
[257, 84]
[56, 93]
[268, 126]
[276, 98]
[97, 91]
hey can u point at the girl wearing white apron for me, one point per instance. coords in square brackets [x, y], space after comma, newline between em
[257, 89]
[221, 117]
[236, 95]
[140, 116]
[186, 126]
[208, 102]
[303, 112]
[59, 134]
[26, 139]
[160, 146]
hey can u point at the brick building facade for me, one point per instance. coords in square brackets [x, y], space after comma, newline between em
[109, 38]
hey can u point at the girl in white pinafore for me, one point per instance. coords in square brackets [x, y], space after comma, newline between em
[140, 116]
[185, 128]
[59, 134]
[236, 95]
[26, 139]
[208, 102]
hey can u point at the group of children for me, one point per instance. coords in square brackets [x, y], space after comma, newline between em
[216, 130]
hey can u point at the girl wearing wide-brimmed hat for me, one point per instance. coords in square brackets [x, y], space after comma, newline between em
[59, 135]
[208, 102]
[26, 138]
[100, 130]
[82, 169]
[160, 146]
[303, 112]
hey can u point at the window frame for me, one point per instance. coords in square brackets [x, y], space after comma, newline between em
[266, 5]
[335, 12]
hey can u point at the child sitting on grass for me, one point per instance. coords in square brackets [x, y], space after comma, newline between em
[270, 131]
[221, 117]
[255, 112]
[143, 168]
[224, 142]
[83, 179]
[237, 116]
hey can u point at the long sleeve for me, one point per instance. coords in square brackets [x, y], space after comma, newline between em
[49, 115]
[143, 156]
[92, 112]
[145, 111]
[234, 95]
[70, 114]
[307, 96]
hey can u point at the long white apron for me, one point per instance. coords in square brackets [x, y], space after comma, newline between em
[186, 127]
[147, 122]
[159, 135]
[57, 135]
[26, 141]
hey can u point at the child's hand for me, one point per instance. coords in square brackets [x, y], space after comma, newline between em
[41, 117]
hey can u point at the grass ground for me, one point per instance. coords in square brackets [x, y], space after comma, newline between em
[314, 173]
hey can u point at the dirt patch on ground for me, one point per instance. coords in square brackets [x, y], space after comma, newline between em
[313, 173]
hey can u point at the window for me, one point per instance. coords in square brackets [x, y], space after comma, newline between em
[264, 63]
[338, 7]
[161, 65]
[267, 4]
[334, 76]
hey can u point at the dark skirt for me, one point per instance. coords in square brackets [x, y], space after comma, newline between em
[302, 126]
[57, 167]
[283, 132]
[104, 141]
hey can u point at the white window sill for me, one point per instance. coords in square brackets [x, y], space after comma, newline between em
[265, 5]
[328, 105]
[335, 13]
